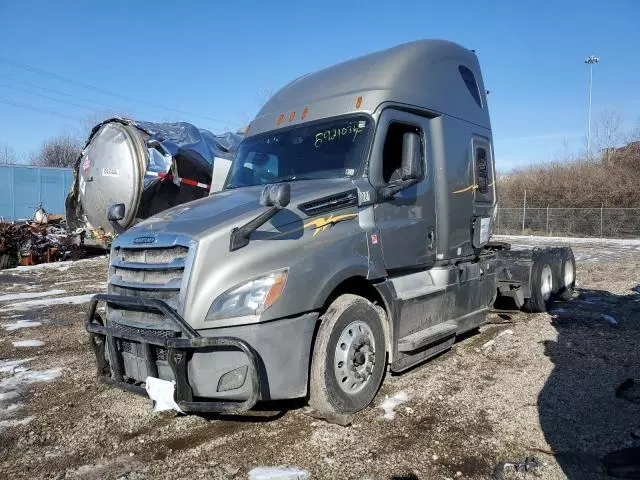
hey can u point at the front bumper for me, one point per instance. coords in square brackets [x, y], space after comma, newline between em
[179, 351]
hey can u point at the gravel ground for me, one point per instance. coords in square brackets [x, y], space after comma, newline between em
[526, 385]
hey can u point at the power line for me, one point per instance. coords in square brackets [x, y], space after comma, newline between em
[58, 92]
[105, 92]
[42, 95]
[36, 109]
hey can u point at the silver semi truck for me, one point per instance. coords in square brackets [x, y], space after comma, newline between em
[352, 237]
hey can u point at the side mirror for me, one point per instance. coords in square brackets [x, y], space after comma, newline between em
[411, 156]
[115, 212]
[276, 195]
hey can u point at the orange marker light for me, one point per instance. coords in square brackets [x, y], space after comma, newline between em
[292, 116]
[280, 118]
[304, 113]
[358, 102]
[276, 289]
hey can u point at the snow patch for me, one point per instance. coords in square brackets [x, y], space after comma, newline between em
[60, 266]
[45, 302]
[390, 403]
[24, 296]
[10, 387]
[20, 376]
[627, 242]
[28, 343]
[505, 332]
[487, 345]
[13, 366]
[4, 396]
[13, 423]
[21, 324]
[11, 407]
[279, 473]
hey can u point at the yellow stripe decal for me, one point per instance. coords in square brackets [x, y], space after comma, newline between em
[322, 223]
[470, 188]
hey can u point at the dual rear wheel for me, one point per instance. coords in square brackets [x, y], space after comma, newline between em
[553, 277]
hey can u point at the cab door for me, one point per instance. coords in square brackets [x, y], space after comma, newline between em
[407, 222]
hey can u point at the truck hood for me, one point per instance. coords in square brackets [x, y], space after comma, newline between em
[235, 207]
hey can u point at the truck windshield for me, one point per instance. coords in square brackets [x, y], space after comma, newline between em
[330, 149]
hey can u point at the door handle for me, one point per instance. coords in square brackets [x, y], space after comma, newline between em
[431, 236]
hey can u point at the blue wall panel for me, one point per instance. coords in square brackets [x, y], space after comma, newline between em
[23, 189]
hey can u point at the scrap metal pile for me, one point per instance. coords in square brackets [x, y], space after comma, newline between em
[40, 240]
[148, 167]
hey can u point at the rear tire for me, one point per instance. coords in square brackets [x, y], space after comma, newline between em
[542, 284]
[567, 278]
[349, 356]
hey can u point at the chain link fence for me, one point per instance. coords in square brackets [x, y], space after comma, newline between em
[569, 222]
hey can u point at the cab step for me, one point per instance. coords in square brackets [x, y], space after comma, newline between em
[437, 333]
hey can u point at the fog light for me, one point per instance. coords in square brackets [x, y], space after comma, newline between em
[233, 379]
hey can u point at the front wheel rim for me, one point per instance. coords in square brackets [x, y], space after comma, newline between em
[546, 282]
[354, 357]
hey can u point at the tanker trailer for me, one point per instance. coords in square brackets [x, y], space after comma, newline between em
[148, 167]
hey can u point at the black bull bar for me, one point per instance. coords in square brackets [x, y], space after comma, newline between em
[178, 353]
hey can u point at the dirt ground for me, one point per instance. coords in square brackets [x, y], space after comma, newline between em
[540, 385]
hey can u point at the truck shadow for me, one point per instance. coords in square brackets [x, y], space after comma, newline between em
[262, 412]
[582, 413]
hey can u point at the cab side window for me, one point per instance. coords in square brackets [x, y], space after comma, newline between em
[392, 152]
[483, 173]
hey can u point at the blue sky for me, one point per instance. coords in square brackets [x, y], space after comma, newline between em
[220, 60]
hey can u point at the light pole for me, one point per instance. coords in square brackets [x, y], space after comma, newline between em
[591, 59]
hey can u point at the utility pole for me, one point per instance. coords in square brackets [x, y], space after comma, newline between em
[590, 61]
[524, 209]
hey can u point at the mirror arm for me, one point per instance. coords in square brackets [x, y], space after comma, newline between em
[388, 191]
[240, 235]
[116, 226]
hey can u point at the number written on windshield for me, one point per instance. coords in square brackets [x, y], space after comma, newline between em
[337, 134]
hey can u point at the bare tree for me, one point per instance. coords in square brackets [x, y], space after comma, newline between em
[60, 151]
[7, 154]
[607, 132]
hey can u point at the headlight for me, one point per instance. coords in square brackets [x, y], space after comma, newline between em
[250, 298]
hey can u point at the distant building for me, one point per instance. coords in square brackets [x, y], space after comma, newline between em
[24, 188]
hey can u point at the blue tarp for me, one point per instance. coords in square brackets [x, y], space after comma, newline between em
[24, 188]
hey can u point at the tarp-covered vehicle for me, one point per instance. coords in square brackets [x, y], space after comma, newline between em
[146, 166]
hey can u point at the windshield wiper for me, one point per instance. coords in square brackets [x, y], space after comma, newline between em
[292, 178]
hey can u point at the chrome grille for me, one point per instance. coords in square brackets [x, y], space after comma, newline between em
[149, 271]
[148, 276]
[151, 268]
[152, 256]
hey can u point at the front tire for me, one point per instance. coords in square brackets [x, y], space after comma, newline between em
[349, 356]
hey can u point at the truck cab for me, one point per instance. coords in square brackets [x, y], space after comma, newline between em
[351, 237]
